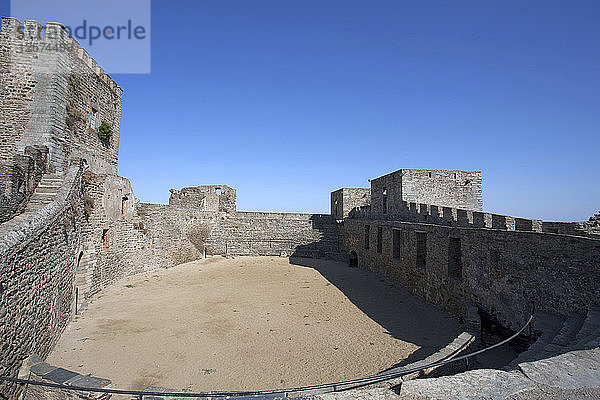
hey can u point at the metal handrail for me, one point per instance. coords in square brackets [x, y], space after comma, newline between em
[335, 387]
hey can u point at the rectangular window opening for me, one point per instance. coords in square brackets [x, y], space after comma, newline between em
[454, 258]
[106, 239]
[421, 249]
[384, 201]
[396, 243]
[93, 118]
[123, 205]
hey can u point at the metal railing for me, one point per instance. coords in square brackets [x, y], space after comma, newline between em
[326, 387]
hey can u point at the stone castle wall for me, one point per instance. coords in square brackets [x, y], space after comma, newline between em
[448, 216]
[19, 179]
[124, 237]
[184, 234]
[278, 234]
[344, 200]
[590, 228]
[506, 273]
[178, 234]
[205, 197]
[52, 86]
[37, 269]
[455, 189]
[115, 243]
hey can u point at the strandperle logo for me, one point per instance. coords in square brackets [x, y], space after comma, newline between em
[115, 33]
[86, 32]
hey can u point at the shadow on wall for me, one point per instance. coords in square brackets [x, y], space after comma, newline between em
[402, 315]
[277, 234]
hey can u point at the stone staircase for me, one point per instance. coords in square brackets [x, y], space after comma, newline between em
[563, 363]
[589, 334]
[576, 332]
[44, 194]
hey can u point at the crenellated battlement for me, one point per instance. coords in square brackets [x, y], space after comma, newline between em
[30, 31]
[450, 216]
[430, 213]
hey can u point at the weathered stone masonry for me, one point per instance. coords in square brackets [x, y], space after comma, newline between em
[508, 267]
[49, 88]
[19, 179]
[345, 200]
[507, 274]
[205, 198]
[37, 270]
[183, 234]
[455, 189]
[52, 89]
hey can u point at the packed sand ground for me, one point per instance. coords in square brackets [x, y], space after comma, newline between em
[250, 323]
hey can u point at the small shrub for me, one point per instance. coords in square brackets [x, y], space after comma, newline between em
[105, 131]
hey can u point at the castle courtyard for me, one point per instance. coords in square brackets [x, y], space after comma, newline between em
[250, 323]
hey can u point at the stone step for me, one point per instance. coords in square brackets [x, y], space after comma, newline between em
[475, 384]
[549, 325]
[41, 199]
[42, 196]
[52, 184]
[569, 330]
[589, 334]
[546, 322]
[45, 192]
[534, 352]
[38, 202]
[52, 179]
[47, 189]
[36, 205]
[567, 334]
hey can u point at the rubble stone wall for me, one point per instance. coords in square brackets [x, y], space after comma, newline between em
[52, 89]
[448, 188]
[505, 273]
[38, 261]
[344, 200]
[19, 179]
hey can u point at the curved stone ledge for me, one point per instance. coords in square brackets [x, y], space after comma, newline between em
[567, 372]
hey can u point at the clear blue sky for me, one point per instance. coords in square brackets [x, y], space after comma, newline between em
[289, 100]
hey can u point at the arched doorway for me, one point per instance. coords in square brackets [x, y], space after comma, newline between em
[353, 259]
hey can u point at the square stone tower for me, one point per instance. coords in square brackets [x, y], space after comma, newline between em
[344, 200]
[448, 188]
[54, 95]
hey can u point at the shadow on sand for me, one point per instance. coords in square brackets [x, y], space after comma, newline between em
[403, 315]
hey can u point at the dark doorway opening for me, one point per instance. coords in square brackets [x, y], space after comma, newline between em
[353, 259]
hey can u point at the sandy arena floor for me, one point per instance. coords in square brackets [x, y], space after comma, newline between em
[250, 323]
